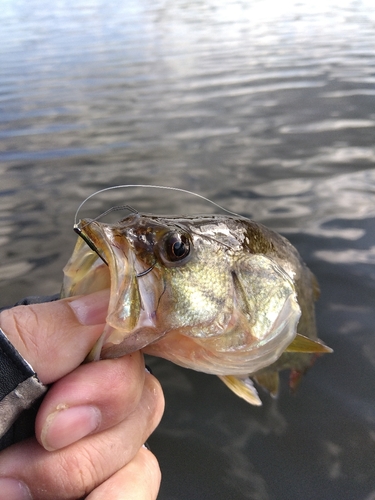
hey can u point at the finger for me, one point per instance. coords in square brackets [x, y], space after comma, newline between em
[92, 398]
[76, 470]
[138, 480]
[55, 337]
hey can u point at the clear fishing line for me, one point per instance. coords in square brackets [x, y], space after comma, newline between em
[148, 186]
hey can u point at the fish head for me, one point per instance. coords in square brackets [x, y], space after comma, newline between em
[130, 258]
[194, 290]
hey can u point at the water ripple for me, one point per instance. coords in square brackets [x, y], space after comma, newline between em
[350, 256]
[327, 125]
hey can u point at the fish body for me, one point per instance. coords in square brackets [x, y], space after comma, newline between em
[216, 293]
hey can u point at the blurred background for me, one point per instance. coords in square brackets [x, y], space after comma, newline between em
[267, 108]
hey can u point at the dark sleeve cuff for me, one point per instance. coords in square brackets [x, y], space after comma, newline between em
[20, 386]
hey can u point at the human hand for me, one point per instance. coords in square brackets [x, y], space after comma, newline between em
[93, 421]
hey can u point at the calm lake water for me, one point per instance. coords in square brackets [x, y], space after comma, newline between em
[266, 107]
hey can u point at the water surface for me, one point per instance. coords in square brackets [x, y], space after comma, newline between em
[268, 108]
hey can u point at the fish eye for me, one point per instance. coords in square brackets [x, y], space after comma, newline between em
[176, 247]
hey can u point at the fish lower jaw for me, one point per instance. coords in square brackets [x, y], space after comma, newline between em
[120, 343]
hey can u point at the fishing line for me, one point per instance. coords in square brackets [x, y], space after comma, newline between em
[148, 186]
[109, 211]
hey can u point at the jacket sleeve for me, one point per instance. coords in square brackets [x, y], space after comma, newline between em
[20, 389]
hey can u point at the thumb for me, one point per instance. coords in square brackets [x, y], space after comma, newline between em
[55, 337]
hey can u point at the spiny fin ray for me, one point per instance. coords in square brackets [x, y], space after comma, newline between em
[242, 387]
[304, 344]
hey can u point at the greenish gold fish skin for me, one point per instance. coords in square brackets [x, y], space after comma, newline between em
[219, 294]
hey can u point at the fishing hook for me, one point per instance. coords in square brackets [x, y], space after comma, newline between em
[93, 247]
[143, 273]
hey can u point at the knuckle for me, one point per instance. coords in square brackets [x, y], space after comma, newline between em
[19, 324]
[81, 472]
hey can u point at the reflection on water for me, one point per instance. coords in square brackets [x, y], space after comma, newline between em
[327, 125]
[348, 256]
[268, 109]
[10, 271]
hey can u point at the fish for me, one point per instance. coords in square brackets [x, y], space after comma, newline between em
[220, 294]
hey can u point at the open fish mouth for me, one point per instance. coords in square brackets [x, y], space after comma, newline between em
[110, 261]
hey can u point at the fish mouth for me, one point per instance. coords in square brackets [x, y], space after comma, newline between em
[136, 287]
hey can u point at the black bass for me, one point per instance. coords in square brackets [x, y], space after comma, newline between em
[216, 293]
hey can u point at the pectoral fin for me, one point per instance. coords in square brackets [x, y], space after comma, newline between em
[304, 344]
[242, 387]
